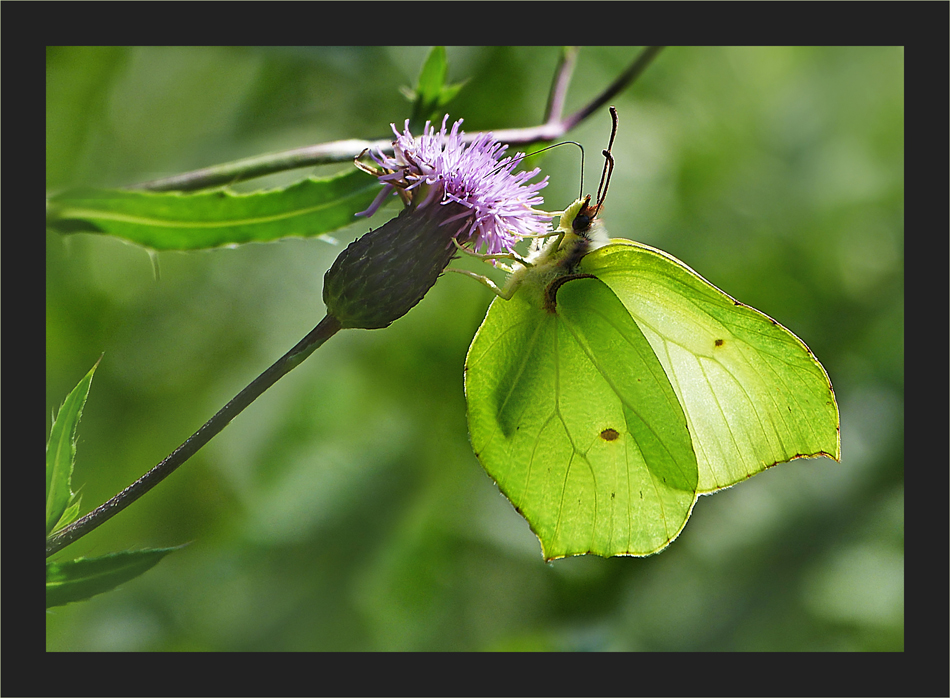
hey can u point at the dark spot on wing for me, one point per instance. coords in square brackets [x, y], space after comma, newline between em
[610, 434]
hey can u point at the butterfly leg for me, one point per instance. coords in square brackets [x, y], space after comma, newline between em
[513, 256]
[505, 294]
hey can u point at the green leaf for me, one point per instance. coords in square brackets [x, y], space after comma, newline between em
[615, 386]
[76, 580]
[449, 92]
[431, 93]
[207, 219]
[61, 455]
[70, 514]
[432, 76]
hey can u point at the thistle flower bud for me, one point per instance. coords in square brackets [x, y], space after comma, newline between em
[457, 194]
[383, 274]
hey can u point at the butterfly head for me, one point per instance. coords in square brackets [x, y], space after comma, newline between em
[582, 214]
[579, 229]
[581, 226]
[584, 223]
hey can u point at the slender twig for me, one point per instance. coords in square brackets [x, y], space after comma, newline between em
[260, 165]
[293, 358]
[626, 78]
[557, 129]
[554, 127]
[562, 79]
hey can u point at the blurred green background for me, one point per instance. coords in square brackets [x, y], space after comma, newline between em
[344, 510]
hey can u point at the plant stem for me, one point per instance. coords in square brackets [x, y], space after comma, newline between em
[260, 165]
[293, 358]
[624, 80]
[562, 79]
[557, 127]
[554, 127]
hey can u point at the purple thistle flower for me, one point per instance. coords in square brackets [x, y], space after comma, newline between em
[454, 194]
[499, 204]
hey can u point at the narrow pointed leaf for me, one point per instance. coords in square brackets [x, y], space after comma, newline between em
[61, 453]
[431, 93]
[208, 219]
[71, 513]
[76, 580]
[432, 76]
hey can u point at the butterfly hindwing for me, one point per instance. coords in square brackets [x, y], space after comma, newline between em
[583, 431]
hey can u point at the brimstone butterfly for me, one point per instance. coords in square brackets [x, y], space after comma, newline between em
[616, 385]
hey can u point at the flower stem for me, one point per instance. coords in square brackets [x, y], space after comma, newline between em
[293, 358]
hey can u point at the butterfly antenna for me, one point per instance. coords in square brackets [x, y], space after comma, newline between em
[549, 147]
[581, 192]
[608, 161]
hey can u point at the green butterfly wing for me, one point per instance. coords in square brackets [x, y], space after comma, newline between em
[604, 414]
[754, 395]
[573, 416]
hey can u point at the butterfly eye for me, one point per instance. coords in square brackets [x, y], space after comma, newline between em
[581, 223]
[584, 218]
